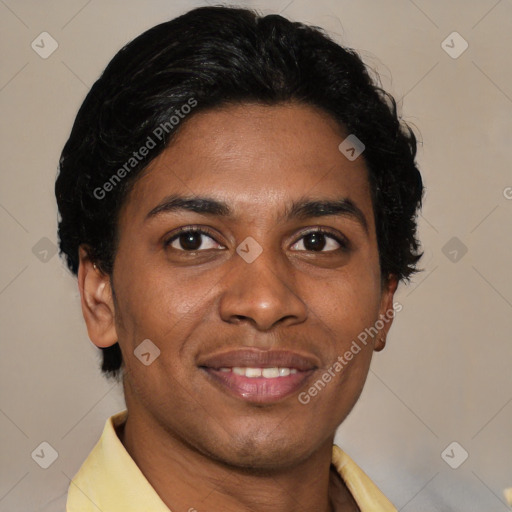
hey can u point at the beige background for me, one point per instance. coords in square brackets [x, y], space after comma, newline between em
[446, 373]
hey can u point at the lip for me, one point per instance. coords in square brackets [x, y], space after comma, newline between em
[254, 358]
[259, 389]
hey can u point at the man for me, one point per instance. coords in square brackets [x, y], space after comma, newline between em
[238, 200]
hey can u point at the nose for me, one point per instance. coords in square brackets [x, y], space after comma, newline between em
[262, 293]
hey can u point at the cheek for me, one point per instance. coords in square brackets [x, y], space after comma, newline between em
[357, 309]
[153, 302]
[154, 306]
[349, 305]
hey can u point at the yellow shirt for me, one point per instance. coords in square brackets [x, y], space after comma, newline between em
[110, 481]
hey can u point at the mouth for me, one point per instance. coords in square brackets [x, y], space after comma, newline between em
[259, 376]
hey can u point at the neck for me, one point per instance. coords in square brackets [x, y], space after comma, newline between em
[186, 479]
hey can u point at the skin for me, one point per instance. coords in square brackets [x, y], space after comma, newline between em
[197, 445]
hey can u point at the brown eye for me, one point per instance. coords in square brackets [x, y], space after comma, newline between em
[192, 239]
[321, 241]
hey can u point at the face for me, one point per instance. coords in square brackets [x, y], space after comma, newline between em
[248, 243]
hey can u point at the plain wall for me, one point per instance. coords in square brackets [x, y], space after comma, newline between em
[445, 374]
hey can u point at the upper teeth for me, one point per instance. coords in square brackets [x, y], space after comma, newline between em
[268, 373]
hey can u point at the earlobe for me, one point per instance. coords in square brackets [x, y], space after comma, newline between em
[381, 343]
[97, 302]
[386, 312]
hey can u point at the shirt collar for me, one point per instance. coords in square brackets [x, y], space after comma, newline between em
[109, 480]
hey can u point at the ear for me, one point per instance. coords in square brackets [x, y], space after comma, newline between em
[97, 302]
[386, 311]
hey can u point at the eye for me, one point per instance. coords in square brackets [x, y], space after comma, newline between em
[191, 239]
[321, 240]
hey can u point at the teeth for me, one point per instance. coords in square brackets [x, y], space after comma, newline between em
[270, 373]
[267, 373]
[253, 372]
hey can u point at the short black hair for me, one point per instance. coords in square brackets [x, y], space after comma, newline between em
[210, 57]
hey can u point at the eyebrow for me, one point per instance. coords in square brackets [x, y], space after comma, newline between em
[301, 209]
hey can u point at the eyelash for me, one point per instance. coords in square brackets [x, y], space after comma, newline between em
[342, 241]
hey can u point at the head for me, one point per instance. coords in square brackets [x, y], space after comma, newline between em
[231, 123]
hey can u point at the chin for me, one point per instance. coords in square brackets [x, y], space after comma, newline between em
[260, 454]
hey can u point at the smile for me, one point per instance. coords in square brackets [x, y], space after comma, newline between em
[259, 376]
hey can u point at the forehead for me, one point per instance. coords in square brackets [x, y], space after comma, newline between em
[257, 158]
